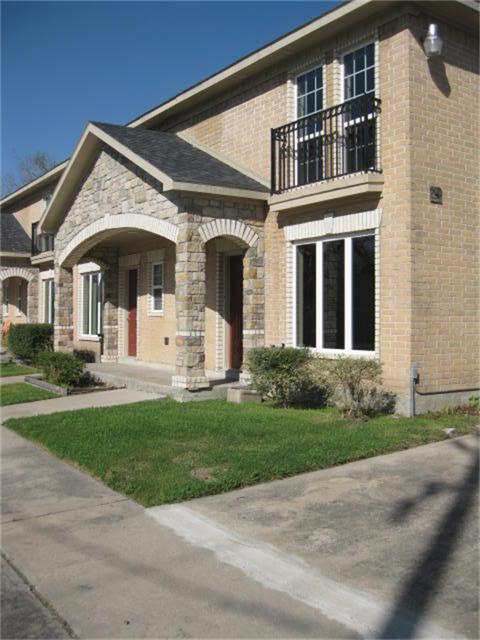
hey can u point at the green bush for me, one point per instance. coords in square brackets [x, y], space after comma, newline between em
[61, 368]
[26, 341]
[357, 380]
[285, 376]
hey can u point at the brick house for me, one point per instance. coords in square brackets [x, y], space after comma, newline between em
[321, 191]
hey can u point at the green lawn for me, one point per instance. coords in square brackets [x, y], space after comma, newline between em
[12, 369]
[163, 451]
[18, 392]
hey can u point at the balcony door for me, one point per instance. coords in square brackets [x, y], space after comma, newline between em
[309, 142]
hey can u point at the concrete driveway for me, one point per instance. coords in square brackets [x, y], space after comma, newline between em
[383, 548]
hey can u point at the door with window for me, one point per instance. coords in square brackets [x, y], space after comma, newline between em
[360, 114]
[132, 312]
[309, 142]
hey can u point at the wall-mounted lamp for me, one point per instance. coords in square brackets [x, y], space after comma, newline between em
[433, 43]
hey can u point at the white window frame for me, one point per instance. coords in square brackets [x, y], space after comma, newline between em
[19, 301]
[318, 241]
[48, 289]
[316, 134]
[83, 275]
[151, 309]
[346, 52]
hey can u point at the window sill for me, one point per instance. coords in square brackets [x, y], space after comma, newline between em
[155, 314]
[335, 353]
[89, 338]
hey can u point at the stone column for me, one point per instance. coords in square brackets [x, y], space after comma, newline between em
[33, 299]
[63, 328]
[253, 303]
[190, 299]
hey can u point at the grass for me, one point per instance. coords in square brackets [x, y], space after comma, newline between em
[163, 451]
[19, 392]
[12, 369]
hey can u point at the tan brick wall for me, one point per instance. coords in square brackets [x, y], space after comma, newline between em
[445, 238]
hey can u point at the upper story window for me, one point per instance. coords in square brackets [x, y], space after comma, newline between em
[359, 72]
[48, 300]
[310, 92]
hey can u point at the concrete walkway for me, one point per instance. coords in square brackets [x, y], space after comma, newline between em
[11, 379]
[80, 401]
[111, 571]
[383, 548]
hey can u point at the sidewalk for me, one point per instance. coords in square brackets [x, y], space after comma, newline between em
[111, 571]
[80, 401]
[11, 379]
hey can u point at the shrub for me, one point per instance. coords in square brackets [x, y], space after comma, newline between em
[284, 375]
[85, 355]
[61, 368]
[26, 341]
[357, 380]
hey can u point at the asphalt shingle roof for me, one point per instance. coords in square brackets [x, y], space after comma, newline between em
[180, 160]
[12, 235]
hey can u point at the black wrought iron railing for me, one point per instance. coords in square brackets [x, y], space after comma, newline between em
[41, 241]
[328, 144]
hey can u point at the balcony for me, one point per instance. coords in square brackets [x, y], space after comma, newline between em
[338, 142]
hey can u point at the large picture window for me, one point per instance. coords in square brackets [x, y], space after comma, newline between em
[48, 300]
[92, 303]
[335, 294]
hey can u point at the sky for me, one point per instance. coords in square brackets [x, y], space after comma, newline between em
[66, 63]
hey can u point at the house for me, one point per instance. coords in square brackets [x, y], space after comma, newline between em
[322, 191]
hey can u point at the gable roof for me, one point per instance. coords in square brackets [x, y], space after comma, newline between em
[13, 237]
[175, 163]
[180, 160]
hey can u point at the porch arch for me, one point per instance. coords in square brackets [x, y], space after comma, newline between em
[228, 227]
[16, 272]
[89, 236]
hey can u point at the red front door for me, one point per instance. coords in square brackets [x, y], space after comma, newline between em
[132, 312]
[236, 311]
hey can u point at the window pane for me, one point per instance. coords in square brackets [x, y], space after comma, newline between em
[157, 299]
[306, 295]
[310, 103]
[86, 301]
[52, 300]
[319, 77]
[348, 61]
[371, 80]
[301, 85]
[301, 107]
[94, 303]
[334, 295]
[349, 88]
[363, 284]
[157, 275]
[359, 59]
[319, 101]
[311, 81]
[370, 55]
[359, 84]
[47, 303]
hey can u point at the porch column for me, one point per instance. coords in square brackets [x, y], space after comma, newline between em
[33, 300]
[190, 299]
[253, 303]
[63, 328]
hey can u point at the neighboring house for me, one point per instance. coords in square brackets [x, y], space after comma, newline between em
[321, 191]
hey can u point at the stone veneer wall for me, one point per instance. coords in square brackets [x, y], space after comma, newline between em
[115, 186]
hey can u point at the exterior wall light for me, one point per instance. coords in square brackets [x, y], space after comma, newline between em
[433, 43]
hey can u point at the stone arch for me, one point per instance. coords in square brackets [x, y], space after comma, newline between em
[228, 227]
[16, 272]
[89, 236]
